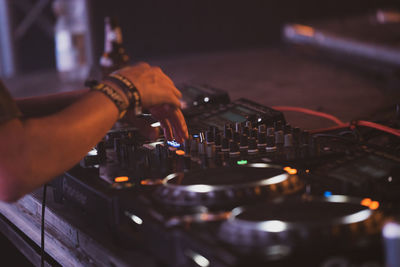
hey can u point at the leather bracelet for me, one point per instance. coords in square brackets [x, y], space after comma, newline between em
[129, 89]
[114, 95]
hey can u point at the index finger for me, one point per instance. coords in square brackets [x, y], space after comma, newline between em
[178, 124]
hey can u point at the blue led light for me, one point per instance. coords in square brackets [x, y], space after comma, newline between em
[196, 136]
[328, 193]
[173, 143]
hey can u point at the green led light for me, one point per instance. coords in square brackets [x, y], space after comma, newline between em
[241, 162]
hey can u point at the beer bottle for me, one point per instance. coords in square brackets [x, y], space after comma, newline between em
[114, 56]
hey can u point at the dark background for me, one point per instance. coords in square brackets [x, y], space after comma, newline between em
[155, 28]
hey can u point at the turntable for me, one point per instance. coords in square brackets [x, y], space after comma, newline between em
[227, 185]
[292, 231]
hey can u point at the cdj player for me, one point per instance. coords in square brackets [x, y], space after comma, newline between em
[246, 189]
[197, 99]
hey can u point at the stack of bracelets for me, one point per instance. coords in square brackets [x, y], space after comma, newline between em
[125, 97]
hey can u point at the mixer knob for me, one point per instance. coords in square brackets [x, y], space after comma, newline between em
[296, 135]
[214, 130]
[305, 137]
[225, 144]
[287, 128]
[233, 149]
[202, 148]
[270, 131]
[126, 152]
[238, 127]
[289, 150]
[117, 144]
[288, 140]
[315, 146]
[236, 137]
[261, 128]
[243, 140]
[262, 138]
[278, 125]
[270, 144]
[218, 140]
[209, 137]
[210, 149]
[227, 133]
[253, 133]
[245, 130]
[253, 146]
[279, 138]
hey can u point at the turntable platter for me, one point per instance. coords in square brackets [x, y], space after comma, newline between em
[227, 185]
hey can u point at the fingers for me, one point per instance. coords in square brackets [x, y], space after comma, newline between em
[172, 121]
[178, 125]
[168, 133]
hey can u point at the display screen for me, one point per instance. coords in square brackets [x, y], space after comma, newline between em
[364, 169]
[233, 117]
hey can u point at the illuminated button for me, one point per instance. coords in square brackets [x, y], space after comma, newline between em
[290, 170]
[304, 30]
[180, 152]
[173, 143]
[241, 162]
[374, 205]
[151, 182]
[366, 202]
[156, 124]
[121, 179]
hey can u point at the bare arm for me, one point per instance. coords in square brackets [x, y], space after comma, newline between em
[44, 105]
[34, 150]
[38, 149]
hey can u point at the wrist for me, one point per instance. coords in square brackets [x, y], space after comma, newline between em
[129, 89]
[114, 93]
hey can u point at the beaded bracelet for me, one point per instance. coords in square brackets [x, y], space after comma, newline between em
[113, 94]
[129, 89]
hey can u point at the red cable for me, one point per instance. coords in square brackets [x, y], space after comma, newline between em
[311, 112]
[369, 124]
[339, 123]
[379, 127]
[320, 130]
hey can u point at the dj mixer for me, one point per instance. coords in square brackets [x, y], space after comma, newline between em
[246, 189]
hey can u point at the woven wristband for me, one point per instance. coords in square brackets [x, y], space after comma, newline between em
[129, 89]
[114, 95]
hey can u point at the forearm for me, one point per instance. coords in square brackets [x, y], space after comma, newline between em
[48, 104]
[45, 147]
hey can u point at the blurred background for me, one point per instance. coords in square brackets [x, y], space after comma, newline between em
[242, 47]
[156, 28]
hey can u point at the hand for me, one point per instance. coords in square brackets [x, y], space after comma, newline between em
[160, 96]
[155, 88]
[172, 122]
